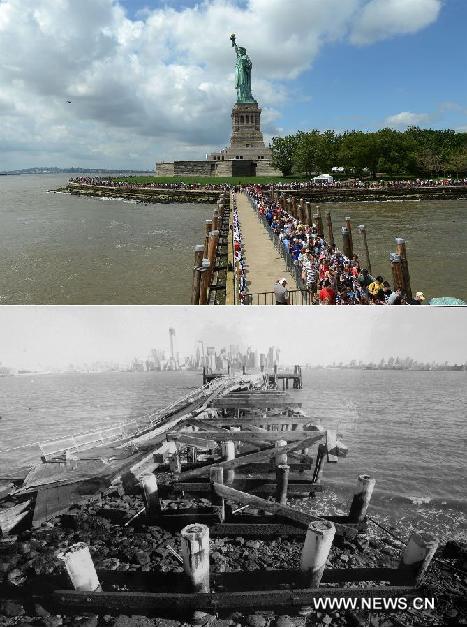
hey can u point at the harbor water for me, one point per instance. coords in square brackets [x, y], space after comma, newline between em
[62, 249]
[405, 428]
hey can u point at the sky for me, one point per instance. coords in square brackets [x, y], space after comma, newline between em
[153, 79]
[40, 337]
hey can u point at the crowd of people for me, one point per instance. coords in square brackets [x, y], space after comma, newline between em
[382, 184]
[169, 185]
[292, 185]
[323, 271]
[239, 257]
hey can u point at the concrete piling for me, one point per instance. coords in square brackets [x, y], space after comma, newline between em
[315, 551]
[361, 498]
[151, 494]
[80, 567]
[195, 553]
[280, 458]
[417, 555]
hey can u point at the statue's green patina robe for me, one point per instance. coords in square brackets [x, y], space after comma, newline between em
[242, 74]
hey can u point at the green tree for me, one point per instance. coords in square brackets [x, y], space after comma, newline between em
[283, 153]
[307, 152]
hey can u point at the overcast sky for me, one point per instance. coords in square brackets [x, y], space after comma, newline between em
[45, 336]
[152, 79]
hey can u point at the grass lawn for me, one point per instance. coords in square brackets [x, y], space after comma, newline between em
[209, 180]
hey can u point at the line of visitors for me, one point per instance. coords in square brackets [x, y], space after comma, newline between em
[327, 274]
[239, 257]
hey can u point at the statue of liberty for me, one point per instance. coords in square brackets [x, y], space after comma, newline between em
[242, 74]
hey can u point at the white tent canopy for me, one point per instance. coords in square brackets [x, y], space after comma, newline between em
[323, 178]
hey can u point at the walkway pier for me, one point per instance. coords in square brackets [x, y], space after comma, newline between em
[264, 263]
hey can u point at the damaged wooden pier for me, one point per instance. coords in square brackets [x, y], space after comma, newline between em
[230, 460]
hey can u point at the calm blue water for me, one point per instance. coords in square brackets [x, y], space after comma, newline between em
[406, 429]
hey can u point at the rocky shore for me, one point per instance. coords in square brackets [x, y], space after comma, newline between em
[316, 195]
[141, 548]
[143, 195]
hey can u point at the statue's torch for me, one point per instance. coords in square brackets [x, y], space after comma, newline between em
[232, 39]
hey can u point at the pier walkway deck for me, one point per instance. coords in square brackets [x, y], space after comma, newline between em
[265, 264]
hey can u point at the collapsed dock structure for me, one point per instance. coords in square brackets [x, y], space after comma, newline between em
[231, 460]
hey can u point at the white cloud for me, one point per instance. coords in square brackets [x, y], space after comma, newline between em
[380, 19]
[407, 118]
[161, 84]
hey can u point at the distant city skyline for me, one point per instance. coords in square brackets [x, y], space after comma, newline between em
[40, 337]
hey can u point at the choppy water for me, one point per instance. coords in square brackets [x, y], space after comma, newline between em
[62, 249]
[407, 430]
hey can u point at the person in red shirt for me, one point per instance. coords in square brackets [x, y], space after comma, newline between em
[327, 296]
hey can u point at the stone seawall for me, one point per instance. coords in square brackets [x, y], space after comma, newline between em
[144, 195]
[343, 195]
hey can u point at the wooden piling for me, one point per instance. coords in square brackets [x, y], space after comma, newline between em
[319, 465]
[80, 567]
[282, 483]
[397, 277]
[175, 463]
[215, 220]
[346, 248]
[309, 214]
[151, 494]
[199, 251]
[330, 229]
[195, 552]
[318, 542]
[205, 282]
[303, 216]
[362, 230]
[401, 250]
[319, 222]
[361, 498]
[417, 555]
[216, 474]
[228, 453]
[348, 224]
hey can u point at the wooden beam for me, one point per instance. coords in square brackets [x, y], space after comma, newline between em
[202, 424]
[246, 498]
[224, 402]
[189, 439]
[249, 484]
[268, 420]
[258, 456]
[135, 602]
[252, 437]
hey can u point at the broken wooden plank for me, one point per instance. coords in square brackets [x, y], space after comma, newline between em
[249, 484]
[224, 402]
[10, 517]
[194, 441]
[247, 498]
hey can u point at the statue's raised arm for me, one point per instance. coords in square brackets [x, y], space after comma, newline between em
[242, 73]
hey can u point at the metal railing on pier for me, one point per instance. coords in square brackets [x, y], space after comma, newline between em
[296, 297]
